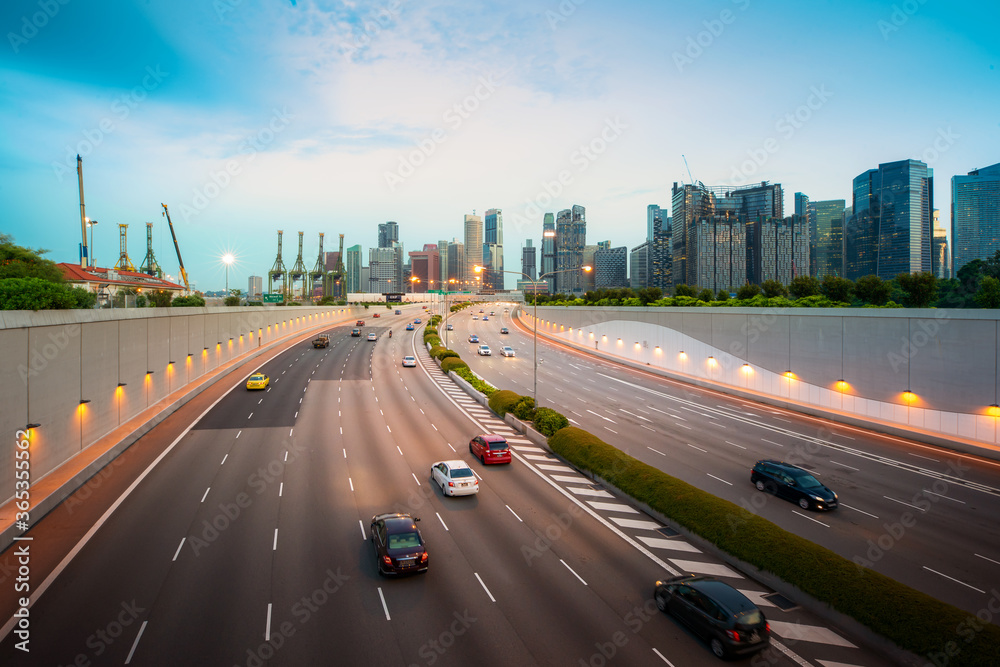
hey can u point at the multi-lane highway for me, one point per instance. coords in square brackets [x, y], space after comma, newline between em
[247, 543]
[923, 515]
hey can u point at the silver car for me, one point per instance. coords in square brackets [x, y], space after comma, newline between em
[484, 351]
[507, 351]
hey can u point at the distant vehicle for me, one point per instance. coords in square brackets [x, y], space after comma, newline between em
[473, 338]
[504, 330]
[480, 310]
[507, 351]
[416, 321]
[792, 483]
[716, 612]
[475, 317]
[486, 318]
[490, 448]
[322, 340]
[455, 478]
[356, 332]
[258, 381]
[372, 336]
[399, 312]
[492, 313]
[450, 327]
[409, 362]
[409, 326]
[376, 315]
[359, 323]
[483, 351]
[399, 548]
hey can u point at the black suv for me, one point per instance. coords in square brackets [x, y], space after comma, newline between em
[716, 612]
[399, 548]
[792, 483]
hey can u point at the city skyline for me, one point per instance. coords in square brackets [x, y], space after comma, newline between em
[246, 120]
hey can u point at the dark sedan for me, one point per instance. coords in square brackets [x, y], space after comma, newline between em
[792, 483]
[399, 548]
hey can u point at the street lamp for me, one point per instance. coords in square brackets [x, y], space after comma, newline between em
[228, 259]
[92, 224]
[534, 323]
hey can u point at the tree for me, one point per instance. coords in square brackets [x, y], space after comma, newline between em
[723, 295]
[836, 288]
[40, 294]
[20, 262]
[232, 300]
[773, 288]
[683, 290]
[803, 286]
[873, 290]
[988, 295]
[748, 291]
[649, 294]
[919, 289]
[706, 295]
[188, 301]
[991, 267]
[160, 298]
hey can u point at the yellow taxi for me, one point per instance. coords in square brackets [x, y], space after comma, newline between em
[258, 381]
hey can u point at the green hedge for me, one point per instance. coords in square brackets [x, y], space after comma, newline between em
[502, 402]
[913, 620]
[481, 386]
[548, 421]
[525, 409]
[452, 363]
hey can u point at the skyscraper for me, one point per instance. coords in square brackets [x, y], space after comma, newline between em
[571, 238]
[659, 270]
[690, 203]
[719, 259]
[443, 264]
[638, 260]
[385, 270]
[940, 261]
[528, 259]
[352, 270]
[549, 250]
[890, 230]
[975, 216]
[473, 248]
[827, 237]
[255, 288]
[780, 249]
[493, 277]
[424, 267]
[387, 233]
[610, 266]
[804, 210]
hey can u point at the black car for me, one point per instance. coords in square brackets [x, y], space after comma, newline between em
[716, 612]
[399, 548]
[792, 483]
[503, 330]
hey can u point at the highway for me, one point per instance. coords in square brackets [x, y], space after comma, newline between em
[923, 515]
[247, 544]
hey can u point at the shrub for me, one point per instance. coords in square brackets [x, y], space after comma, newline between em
[804, 286]
[747, 292]
[188, 301]
[706, 295]
[773, 288]
[548, 421]
[723, 295]
[504, 401]
[479, 385]
[452, 363]
[525, 409]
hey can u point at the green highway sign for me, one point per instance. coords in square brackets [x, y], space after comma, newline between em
[273, 298]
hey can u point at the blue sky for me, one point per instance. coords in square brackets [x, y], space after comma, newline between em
[248, 117]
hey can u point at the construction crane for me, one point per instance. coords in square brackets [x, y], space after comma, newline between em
[298, 271]
[318, 269]
[338, 274]
[85, 250]
[278, 271]
[688, 168]
[124, 263]
[184, 275]
[149, 264]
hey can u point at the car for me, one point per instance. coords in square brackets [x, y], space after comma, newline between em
[507, 351]
[355, 332]
[455, 478]
[258, 381]
[450, 327]
[483, 351]
[504, 330]
[792, 483]
[409, 326]
[372, 335]
[492, 313]
[486, 318]
[399, 547]
[409, 362]
[490, 448]
[716, 612]
[475, 317]
[473, 338]
[398, 312]
[376, 315]
[416, 321]
[322, 340]
[480, 310]
[359, 323]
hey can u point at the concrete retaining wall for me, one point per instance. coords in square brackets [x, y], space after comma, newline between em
[854, 365]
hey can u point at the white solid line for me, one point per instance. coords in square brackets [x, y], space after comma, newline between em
[238, 433]
[384, 607]
[177, 553]
[989, 559]
[857, 510]
[810, 518]
[281, 488]
[224, 459]
[400, 450]
[902, 503]
[492, 599]
[841, 435]
[656, 450]
[698, 448]
[387, 426]
[363, 536]
[939, 495]
[519, 519]
[734, 444]
[442, 521]
[415, 479]
[955, 580]
[923, 457]
[274, 547]
[351, 482]
[844, 465]
[142, 628]
[718, 478]
[452, 448]
[206, 494]
[662, 658]
[684, 426]
[574, 573]
[267, 629]
[286, 452]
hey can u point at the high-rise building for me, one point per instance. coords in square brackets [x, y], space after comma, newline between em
[493, 277]
[826, 236]
[571, 238]
[719, 258]
[975, 216]
[443, 264]
[473, 248]
[424, 267]
[805, 210]
[659, 271]
[780, 249]
[352, 270]
[890, 230]
[549, 250]
[587, 283]
[365, 278]
[387, 233]
[610, 265]
[690, 203]
[255, 288]
[940, 260]
[385, 270]
[528, 259]
[758, 205]
[456, 266]
[638, 260]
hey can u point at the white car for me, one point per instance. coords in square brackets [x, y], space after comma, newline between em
[450, 327]
[409, 362]
[455, 478]
[475, 317]
[372, 336]
[507, 351]
[484, 351]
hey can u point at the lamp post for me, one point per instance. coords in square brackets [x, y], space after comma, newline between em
[227, 259]
[91, 224]
[534, 323]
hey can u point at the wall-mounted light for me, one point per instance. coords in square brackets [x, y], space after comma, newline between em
[790, 375]
[993, 410]
[31, 426]
[682, 354]
[747, 368]
[122, 384]
[909, 396]
[84, 400]
[842, 385]
[150, 372]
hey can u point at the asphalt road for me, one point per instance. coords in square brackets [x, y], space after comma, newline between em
[247, 543]
[923, 515]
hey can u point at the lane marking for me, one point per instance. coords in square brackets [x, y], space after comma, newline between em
[442, 521]
[662, 658]
[857, 510]
[573, 571]
[519, 519]
[224, 459]
[281, 488]
[492, 599]
[698, 448]
[238, 433]
[810, 518]
[385, 608]
[902, 503]
[400, 450]
[142, 628]
[734, 444]
[351, 482]
[206, 494]
[267, 629]
[718, 478]
[363, 536]
[274, 547]
[955, 580]
[177, 553]
[989, 559]
[844, 465]
[415, 479]
[940, 495]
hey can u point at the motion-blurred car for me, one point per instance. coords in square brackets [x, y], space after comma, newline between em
[372, 335]
[356, 332]
[258, 381]
[473, 338]
[409, 362]
[450, 327]
[399, 548]
[475, 317]
[455, 478]
[416, 321]
[409, 327]
[486, 318]
[376, 315]
[716, 612]
[484, 351]
[792, 483]
[504, 330]
[399, 312]
[490, 448]
[359, 323]
[507, 351]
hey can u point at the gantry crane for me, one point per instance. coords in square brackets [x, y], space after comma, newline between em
[316, 276]
[149, 264]
[184, 275]
[278, 272]
[298, 271]
[124, 263]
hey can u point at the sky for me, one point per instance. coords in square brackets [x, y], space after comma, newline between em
[246, 117]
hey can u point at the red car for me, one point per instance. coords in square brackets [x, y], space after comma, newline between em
[359, 323]
[376, 315]
[490, 449]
